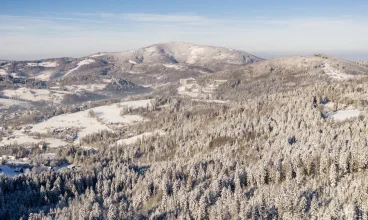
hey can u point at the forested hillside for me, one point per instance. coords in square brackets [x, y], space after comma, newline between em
[295, 154]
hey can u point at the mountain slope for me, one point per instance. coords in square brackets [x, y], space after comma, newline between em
[161, 63]
[213, 58]
[282, 74]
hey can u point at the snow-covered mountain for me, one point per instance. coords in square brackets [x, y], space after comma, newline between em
[180, 53]
[161, 63]
[281, 74]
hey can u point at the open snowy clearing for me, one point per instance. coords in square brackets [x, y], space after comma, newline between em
[173, 66]
[343, 115]
[28, 94]
[44, 76]
[34, 95]
[111, 115]
[81, 63]
[81, 120]
[90, 87]
[329, 107]
[3, 72]
[211, 101]
[132, 62]
[11, 102]
[137, 104]
[108, 114]
[44, 64]
[336, 74]
[191, 90]
[20, 138]
[98, 55]
[134, 139]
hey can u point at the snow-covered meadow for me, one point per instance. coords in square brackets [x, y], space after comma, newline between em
[81, 63]
[34, 95]
[336, 74]
[103, 117]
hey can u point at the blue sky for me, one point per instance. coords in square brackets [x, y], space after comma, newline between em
[33, 29]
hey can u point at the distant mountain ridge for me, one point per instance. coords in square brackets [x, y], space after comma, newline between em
[160, 63]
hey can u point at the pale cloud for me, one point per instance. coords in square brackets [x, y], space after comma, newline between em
[154, 18]
[83, 34]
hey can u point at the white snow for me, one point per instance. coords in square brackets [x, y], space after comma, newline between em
[132, 62]
[343, 115]
[81, 63]
[173, 66]
[336, 74]
[44, 64]
[32, 64]
[98, 55]
[20, 138]
[3, 72]
[89, 87]
[11, 102]
[87, 125]
[211, 101]
[111, 114]
[137, 104]
[134, 139]
[34, 95]
[86, 62]
[28, 94]
[44, 76]
[328, 107]
[48, 64]
[195, 53]
[189, 90]
[81, 120]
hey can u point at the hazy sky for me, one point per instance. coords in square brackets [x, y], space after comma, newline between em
[33, 29]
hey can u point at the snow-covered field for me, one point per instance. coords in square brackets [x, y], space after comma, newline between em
[134, 139]
[343, 115]
[34, 95]
[28, 94]
[44, 64]
[81, 120]
[192, 90]
[44, 76]
[81, 63]
[88, 125]
[343, 112]
[336, 74]
[132, 62]
[20, 138]
[6, 103]
[98, 55]
[111, 114]
[89, 87]
[211, 101]
[173, 66]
